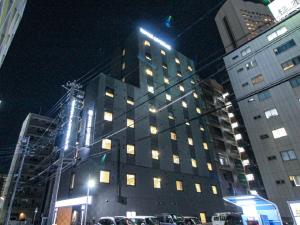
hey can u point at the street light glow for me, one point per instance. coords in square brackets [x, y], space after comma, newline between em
[91, 183]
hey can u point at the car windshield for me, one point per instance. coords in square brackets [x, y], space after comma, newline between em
[124, 221]
[195, 221]
[178, 219]
[152, 221]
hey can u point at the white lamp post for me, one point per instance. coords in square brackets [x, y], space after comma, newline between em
[90, 184]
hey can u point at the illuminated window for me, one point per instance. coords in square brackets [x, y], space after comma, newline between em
[241, 149]
[203, 217]
[214, 189]
[130, 123]
[162, 52]
[288, 155]
[130, 101]
[257, 79]
[177, 60]
[179, 185]
[156, 182]
[173, 136]
[108, 116]
[149, 72]
[235, 125]
[198, 187]
[192, 81]
[148, 56]
[176, 159]
[278, 133]
[153, 130]
[164, 66]
[202, 129]
[195, 95]
[184, 104]
[246, 162]
[198, 110]
[151, 89]
[130, 179]
[109, 92]
[123, 66]
[246, 51]
[250, 177]
[166, 80]
[152, 109]
[179, 74]
[123, 52]
[205, 145]
[168, 97]
[295, 180]
[190, 68]
[277, 33]
[130, 150]
[106, 144]
[72, 181]
[190, 141]
[209, 167]
[147, 43]
[238, 137]
[104, 176]
[181, 88]
[194, 163]
[171, 116]
[155, 154]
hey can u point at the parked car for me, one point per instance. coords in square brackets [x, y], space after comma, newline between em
[145, 220]
[227, 218]
[170, 219]
[190, 220]
[116, 220]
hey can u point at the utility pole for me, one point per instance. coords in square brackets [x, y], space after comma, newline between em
[73, 89]
[24, 152]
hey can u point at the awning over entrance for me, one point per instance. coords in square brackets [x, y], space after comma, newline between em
[74, 201]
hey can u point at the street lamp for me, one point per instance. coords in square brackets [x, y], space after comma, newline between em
[90, 184]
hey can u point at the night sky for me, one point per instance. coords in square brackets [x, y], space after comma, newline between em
[61, 40]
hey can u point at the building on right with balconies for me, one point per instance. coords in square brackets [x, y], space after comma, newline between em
[265, 76]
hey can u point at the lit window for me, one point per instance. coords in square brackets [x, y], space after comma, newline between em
[195, 95]
[123, 52]
[202, 129]
[151, 89]
[190, 68]
[194, 163]
[190, 141]
[291, 63]
[288, 155]
[152, 109]
[146, 43]
[130, 101]
[241, 149]
[156, 182]
[238, 137]
[104, 176]
[205, 145]
[179, 74]
[246, 51]
[209, 167]
[153, 130]
[214, 189]
[130, 179]
[176, 159]
[89, 128]
[148, 56]
[179, 185]
[162, 52]
[277, 33]
[198, 110]
[181, 88]
[250, 177]
[173, 136]
[108, 116]
[251, 64]
[168, 97]
[130, 149]
[123, 66]
[164, 66]
[295, 180]
[192, 81]
[130, 123]
[235, 125]
[106, 144]
[166, 80]
[246, 162]
[130, 214]
[257, 79]
[109, 92]
[198, 187]
[278, 133]
[203, 217]
[177, 60]
[271, 113]
[187, 123]
[149, 72]
[155, 154]
[72, 181]
[230, 115]
[184, 104]
[253, 192]
[171, 116]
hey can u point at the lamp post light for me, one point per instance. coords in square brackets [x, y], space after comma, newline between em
[90, 184]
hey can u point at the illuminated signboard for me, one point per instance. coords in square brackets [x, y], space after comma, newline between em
[282, 8]
[151, 36]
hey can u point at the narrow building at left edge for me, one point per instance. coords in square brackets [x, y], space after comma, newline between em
[141, 139]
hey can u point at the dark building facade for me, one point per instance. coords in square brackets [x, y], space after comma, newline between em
[149, 156]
